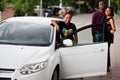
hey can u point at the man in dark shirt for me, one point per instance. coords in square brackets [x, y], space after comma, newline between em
[97, 18]
[65, 27]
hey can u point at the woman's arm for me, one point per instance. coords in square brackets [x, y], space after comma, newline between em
[112, 23]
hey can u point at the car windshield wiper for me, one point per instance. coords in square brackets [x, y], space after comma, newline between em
[10, 43]
[28, 44]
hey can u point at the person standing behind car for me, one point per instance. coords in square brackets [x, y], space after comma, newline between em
[97, 18]
[109, 25]
[65, 27]
[60, 14]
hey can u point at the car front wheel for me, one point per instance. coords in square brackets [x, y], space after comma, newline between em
[55, 75]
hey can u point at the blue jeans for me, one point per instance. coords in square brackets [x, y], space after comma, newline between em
[99, 37]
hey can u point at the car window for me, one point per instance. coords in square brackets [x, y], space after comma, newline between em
[85, 35]
[25, 33]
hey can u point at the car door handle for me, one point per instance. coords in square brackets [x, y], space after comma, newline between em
[98, 50]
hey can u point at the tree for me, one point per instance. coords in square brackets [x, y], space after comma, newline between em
[21, 7]
[2, 4]
[24, 6]
[118, 4]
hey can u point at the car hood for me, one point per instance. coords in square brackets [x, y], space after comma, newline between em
[12, 56]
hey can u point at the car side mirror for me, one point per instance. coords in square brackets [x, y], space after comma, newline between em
[67, 42]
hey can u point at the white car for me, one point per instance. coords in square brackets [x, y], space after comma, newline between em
[28, 52]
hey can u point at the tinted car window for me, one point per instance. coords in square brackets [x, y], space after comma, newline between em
[85, 36]
[25, 33]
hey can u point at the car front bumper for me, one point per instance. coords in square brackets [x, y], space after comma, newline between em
[41, 75]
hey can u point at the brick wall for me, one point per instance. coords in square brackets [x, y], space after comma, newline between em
[8, 12]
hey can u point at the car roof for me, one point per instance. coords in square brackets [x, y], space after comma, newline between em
[41, 20]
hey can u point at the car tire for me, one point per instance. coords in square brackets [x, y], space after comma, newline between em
[55, 75]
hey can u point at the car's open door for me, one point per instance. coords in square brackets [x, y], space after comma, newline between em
[84, 59]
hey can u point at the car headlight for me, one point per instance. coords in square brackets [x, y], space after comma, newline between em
[32, 68]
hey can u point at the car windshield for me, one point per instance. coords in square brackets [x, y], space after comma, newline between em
[25, 33]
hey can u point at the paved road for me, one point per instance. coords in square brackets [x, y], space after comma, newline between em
[84, 19]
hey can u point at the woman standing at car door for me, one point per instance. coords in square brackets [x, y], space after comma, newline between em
[109, 25]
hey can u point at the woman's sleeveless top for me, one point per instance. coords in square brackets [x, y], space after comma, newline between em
[109, 37]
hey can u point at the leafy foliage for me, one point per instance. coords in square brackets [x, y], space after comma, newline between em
[21, 7]
[118, 4]
[27, 6]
